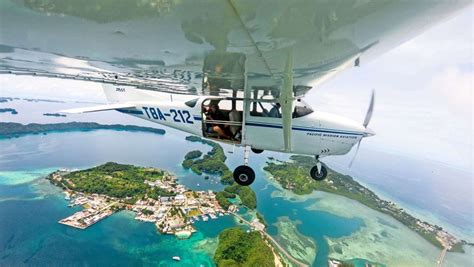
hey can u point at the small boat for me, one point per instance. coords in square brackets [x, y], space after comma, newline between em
[176, 258]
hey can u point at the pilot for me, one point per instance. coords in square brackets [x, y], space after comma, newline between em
[275, 111]
[215, 113]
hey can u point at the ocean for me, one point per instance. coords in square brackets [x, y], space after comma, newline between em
[311, 227]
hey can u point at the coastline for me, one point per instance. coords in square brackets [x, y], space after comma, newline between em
[272, 182]
[293, 176]
[170, 206]
[14, 130]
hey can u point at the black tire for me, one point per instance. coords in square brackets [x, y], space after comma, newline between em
[257, 151]
[318, 176]
[244, 175]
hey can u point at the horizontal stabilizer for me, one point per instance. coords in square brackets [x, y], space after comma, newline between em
[98, 108]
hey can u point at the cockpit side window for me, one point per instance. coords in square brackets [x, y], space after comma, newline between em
[301, 109]
[191, 103]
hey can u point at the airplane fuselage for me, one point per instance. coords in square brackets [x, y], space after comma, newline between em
[317, 133]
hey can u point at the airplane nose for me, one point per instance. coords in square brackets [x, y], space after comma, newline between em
[368, 132]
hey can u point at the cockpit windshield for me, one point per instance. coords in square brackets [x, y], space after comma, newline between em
[301, 109]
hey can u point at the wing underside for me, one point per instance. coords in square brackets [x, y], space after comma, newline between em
[205, 47]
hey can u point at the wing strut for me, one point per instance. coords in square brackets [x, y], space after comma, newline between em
[286, 100]
[254, 44]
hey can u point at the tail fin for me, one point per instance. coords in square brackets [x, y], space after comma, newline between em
[122, 94]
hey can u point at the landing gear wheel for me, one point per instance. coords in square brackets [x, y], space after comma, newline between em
[244, 175]
[318, 176]
[257, 151]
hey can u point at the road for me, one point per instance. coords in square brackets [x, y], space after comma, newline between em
[269, 237]
[439, 263]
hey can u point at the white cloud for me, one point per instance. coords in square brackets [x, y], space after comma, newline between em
[424, 95]
[50, 88]
[456, 88]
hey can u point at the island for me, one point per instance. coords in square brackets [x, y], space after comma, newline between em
[213, 163]
[6, 99]
[54, 114]
[153, 194]
[13, 129]
[294, 176]
[156, 197]
[8, 110]
[239, 248]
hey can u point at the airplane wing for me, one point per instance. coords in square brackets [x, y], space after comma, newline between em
[208, 46]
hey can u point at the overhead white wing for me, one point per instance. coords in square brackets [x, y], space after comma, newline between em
[185, 46]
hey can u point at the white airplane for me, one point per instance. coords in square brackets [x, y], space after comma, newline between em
[255, 60]
[245, 122]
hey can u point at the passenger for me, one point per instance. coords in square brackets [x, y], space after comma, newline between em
[216, 114]
[275, 111]
[235, 116]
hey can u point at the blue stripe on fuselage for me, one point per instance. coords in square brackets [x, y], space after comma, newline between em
[301, 128]
[130, 111]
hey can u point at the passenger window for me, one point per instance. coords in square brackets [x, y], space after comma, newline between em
[265, 109]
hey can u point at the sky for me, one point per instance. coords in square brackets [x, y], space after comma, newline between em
[423, 94]
[423, 105]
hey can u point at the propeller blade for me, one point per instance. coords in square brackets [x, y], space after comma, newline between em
[368, 115]
[355, 154]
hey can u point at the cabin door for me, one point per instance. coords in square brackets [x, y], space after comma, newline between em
[263, 126]
[222, 119]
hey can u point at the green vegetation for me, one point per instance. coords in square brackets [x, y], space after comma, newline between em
[116, 180]
[294, 175]
[147, 212]
[261, 219]
[245, 193]
[12, 129]
[457, 248]
[6, 110]
[214, 163]
[238, 248]
[222, 199]
[211, 163]
[193, 154]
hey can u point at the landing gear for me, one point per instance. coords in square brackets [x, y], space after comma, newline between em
[318, 172]
[244, 175]
[257, 151]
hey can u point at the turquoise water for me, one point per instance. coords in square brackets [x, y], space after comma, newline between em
[30, 234]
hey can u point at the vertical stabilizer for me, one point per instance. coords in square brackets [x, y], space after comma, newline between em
[122, 94]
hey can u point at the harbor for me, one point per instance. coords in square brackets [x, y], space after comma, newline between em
[172, 214]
